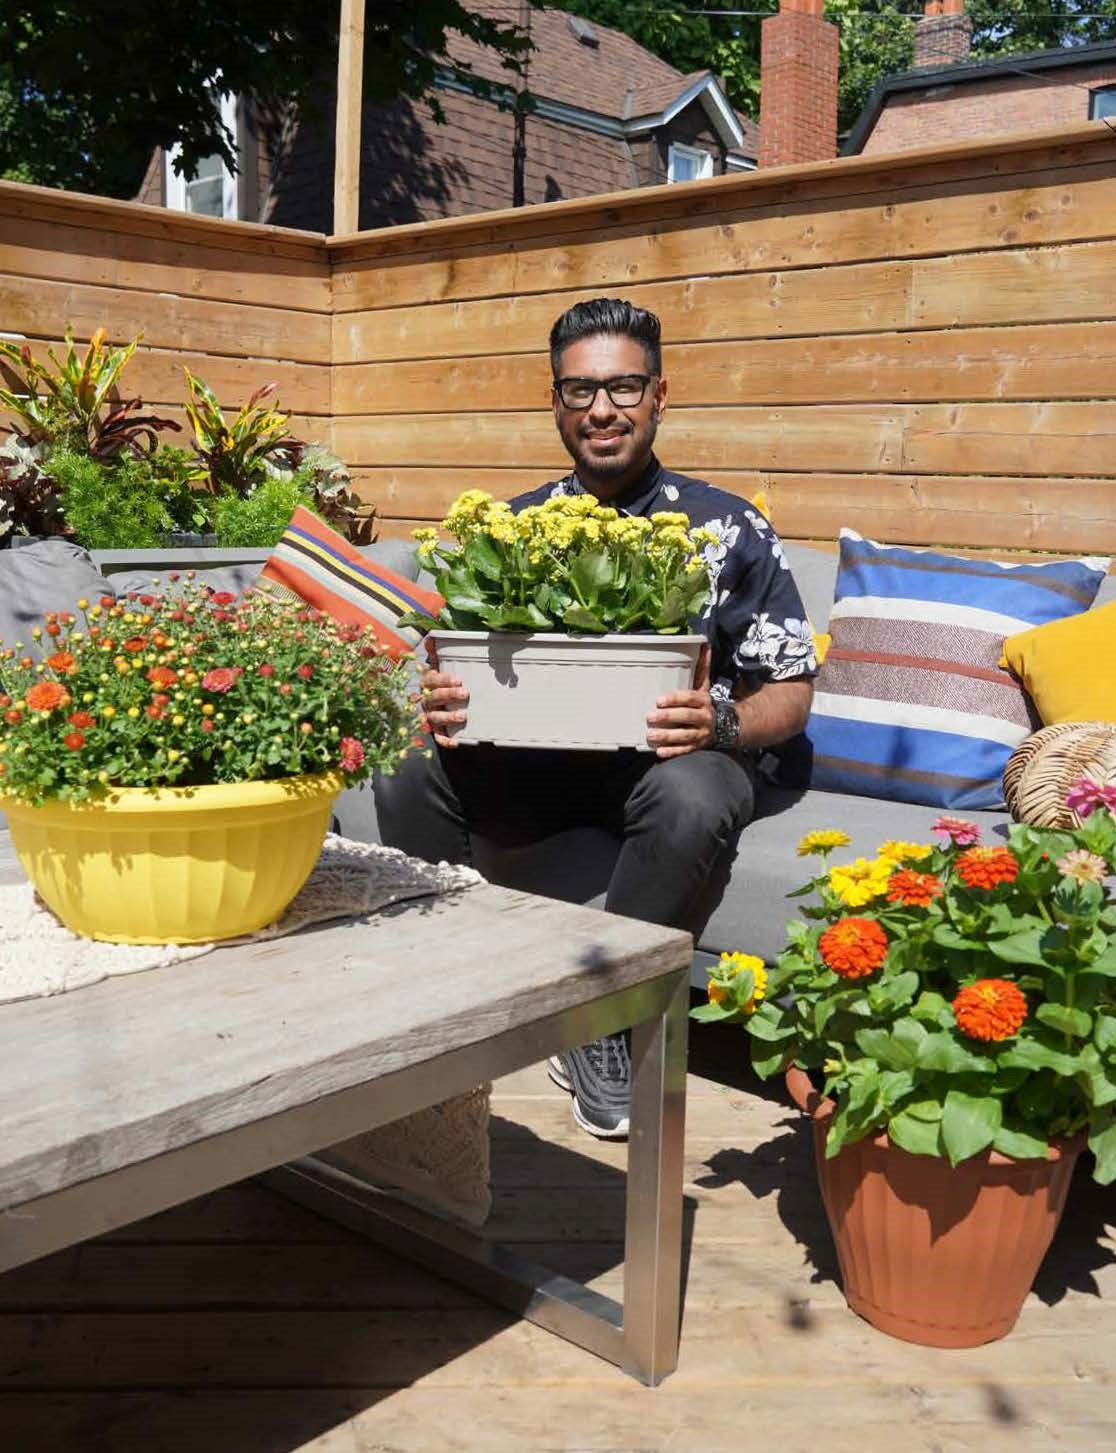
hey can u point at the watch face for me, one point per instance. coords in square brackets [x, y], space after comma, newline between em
[727, 724]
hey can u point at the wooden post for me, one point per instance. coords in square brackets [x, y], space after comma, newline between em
[350, 73]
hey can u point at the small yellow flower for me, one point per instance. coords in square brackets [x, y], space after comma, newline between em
[133, 712]
[901, 852]
[178, 720]
[728, 969]
[172, 755]
[858, 883]
[109, 711]
[208, 709]
[822, 840]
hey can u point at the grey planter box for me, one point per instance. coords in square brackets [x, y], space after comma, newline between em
[591, 693]
[174, 557]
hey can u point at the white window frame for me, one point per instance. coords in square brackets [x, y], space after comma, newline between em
[1098, 95]
[698, 154]
[176, 182]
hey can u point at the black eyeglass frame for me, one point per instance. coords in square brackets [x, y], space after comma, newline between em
[602, 383]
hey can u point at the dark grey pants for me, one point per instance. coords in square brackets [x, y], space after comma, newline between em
[676, 819]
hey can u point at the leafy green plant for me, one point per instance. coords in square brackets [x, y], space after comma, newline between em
[73, 403]
[259, 519]
[176, 474]
[234, 454]
[194, 688]
[570, 564]
[109, 506]
[967, 1001]
[330, 486]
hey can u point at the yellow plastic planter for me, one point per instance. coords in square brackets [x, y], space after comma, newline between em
[174, 864]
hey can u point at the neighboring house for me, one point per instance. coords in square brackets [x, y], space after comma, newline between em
[606, 115]
[949, 97]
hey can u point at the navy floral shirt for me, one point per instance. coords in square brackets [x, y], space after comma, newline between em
[754, 619]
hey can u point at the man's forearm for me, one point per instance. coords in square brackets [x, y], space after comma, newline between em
[774, 713]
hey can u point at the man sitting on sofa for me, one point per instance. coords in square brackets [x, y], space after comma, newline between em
[676, 809]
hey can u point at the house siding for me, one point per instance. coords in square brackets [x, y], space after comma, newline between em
[941, 114]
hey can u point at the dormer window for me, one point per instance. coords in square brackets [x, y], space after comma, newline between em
[688, 163]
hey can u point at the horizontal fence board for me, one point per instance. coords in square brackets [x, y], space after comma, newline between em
[1009, 513]
[1024, 439]
[837, 182]
[40, 309]
[918, 221]
[1050, 361]
[69, 253]
[155, 375]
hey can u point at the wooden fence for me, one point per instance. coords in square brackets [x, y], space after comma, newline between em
[921, 346]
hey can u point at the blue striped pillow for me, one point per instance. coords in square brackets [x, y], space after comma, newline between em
[911, 703]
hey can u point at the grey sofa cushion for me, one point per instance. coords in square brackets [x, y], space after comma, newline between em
[48, 575]
[815, 574]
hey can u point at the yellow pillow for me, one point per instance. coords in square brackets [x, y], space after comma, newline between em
[1066, 666]
[821, 640]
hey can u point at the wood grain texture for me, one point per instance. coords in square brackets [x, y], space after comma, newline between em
[273, 1037]
[1026, 439]
[1010, 512]
[912, 221]
[1054, 361]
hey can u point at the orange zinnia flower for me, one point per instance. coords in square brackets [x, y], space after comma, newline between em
[853, 947]
[63, 662]
[913, 890]
[46, 695]
[987, 867]
[990, 1009]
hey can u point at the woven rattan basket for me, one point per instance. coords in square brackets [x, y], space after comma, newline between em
[1042, 769]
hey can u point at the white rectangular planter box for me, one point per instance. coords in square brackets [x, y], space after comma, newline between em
[587, 692]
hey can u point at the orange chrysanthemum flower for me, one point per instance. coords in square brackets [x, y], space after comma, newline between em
[47, 695]
[853, 947]
[987, 867]
[162, 676]
[913, 890]
[990, 1009]
[64, 662]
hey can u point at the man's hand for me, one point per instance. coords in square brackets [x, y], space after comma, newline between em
[683, 721]
[444, 700]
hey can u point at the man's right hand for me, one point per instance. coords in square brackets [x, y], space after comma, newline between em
[444, 700]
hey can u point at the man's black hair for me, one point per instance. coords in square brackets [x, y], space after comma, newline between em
[607, 315]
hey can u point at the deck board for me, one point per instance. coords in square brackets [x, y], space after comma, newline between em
[243, 1324]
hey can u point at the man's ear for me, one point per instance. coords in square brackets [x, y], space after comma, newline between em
[658, 408]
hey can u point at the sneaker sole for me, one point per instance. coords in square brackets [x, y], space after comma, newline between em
[563, 1081]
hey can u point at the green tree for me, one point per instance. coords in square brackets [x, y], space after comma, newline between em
[89, 87]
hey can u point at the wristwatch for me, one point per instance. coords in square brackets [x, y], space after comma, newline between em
[726, 726]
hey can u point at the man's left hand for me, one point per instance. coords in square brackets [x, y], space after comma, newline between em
[683, 721]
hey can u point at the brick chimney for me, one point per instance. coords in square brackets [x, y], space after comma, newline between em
[944, 35]
[798, 85]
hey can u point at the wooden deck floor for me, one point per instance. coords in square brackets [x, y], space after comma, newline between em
[243, 1324]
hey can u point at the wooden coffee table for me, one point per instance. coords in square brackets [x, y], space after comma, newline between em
[138, 1093]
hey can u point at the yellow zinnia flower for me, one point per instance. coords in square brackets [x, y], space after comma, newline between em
[858, 883]
[901, 852]
[728, 970]
[822, 840]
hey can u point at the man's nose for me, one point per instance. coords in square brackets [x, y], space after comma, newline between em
[602, 408]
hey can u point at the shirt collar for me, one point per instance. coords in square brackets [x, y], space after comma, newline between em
[639, 496]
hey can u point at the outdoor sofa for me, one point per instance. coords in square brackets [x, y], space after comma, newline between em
[747, 908]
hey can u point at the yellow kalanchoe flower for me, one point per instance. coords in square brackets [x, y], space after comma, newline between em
[901, 852]
[822, 840]
[858, 883]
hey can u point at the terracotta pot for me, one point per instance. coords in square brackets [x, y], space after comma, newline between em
[932, 1253]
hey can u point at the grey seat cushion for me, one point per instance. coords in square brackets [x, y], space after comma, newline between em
[46, 576]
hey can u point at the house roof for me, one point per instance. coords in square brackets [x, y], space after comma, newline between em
[966, 71]
[616, 80]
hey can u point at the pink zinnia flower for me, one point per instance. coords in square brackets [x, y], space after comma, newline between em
[352, 754]
[1086, 867]
[959, 830]
[221, 678]
[1085, 796]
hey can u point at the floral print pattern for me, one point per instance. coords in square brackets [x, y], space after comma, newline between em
[754, 619]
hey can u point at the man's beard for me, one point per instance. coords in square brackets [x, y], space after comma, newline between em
[608, 466]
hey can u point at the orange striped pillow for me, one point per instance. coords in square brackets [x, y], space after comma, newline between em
[315, 564]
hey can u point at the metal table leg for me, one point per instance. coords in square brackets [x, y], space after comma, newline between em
[641, 1336]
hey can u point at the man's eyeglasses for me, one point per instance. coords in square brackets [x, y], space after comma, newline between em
[625, 391]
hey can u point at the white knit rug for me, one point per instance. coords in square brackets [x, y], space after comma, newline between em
[438, 1157]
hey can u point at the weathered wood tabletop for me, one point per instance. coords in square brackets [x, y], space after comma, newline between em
[137, 1093]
